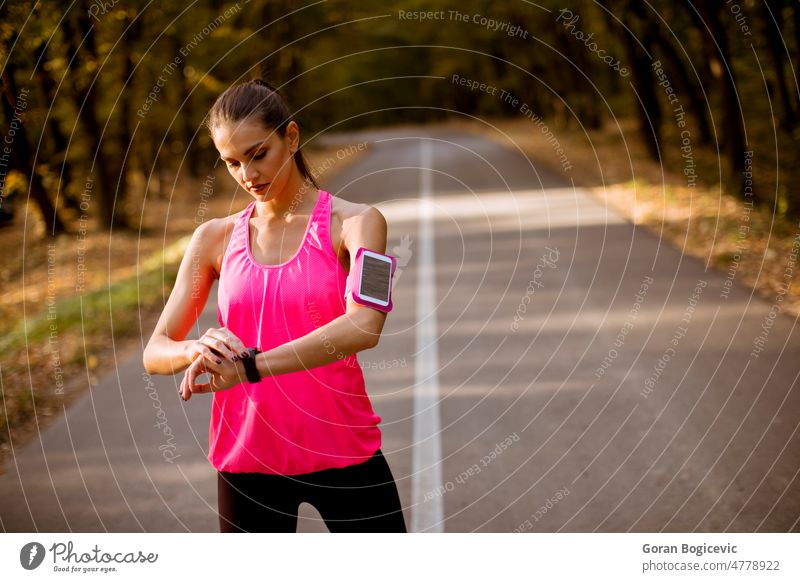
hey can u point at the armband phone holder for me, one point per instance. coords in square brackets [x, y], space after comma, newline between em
[370, 280]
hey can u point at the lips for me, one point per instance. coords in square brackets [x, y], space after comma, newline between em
[258, 187]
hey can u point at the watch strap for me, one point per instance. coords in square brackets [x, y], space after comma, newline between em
[250, 368]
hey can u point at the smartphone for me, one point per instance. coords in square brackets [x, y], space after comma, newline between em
[373, 279]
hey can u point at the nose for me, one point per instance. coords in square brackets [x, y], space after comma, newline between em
[248, 175]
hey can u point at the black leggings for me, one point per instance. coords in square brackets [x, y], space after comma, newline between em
[356, 498]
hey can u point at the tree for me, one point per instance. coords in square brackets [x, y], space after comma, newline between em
[84, 93]
[705, 15]
[772, 20]
[637, 48]
[20, 151]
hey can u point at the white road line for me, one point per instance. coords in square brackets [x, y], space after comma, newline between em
[427, 510]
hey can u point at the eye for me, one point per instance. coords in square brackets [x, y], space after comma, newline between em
[259, 156]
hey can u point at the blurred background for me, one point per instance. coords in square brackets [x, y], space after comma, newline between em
[681, 116]
[89, 75]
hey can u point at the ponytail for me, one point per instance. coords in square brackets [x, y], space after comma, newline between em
[258, 99]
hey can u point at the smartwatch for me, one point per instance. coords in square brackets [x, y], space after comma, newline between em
[250, 368]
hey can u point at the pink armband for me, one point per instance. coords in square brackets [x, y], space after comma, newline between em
[370, 279]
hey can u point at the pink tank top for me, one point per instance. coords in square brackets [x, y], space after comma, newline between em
[303, 421]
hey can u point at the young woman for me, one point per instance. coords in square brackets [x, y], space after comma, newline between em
[290, 418]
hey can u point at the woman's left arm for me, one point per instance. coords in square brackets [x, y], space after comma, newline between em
[359, 328]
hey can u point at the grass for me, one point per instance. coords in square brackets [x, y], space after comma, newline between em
[81, 328]
[701, 221]
[87, 312]
[108, 322]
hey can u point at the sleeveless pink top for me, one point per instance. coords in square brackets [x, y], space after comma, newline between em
[303, 421]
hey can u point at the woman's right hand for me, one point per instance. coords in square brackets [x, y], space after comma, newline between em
[216, 344]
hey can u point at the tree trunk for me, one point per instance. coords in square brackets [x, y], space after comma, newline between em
[187, 127]
[643, 84]
[86, 102]
[60, 144]
[698, 104]
[576, 87]
[772, 16]
[21, 152]
[705, 13]
[131, 33]
[796, 14]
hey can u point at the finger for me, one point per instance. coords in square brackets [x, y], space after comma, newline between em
[217, 347]
[202, 367]
[198, 387]
[212, 355]
[234, 341]
[185, 393]
[201, 388]
[230, 340]
[212, 366]
[218, 340]
[191, 375]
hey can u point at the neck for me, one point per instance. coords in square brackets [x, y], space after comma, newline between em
[291, 200]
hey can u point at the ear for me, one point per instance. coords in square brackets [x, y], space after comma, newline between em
[293, 135]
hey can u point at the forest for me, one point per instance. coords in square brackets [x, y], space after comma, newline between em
[103, 101]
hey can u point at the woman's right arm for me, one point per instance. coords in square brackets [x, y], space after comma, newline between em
[167, 352]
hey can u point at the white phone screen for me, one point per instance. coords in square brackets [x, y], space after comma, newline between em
[376, 276]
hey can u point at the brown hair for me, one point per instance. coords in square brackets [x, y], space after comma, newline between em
[258, 99]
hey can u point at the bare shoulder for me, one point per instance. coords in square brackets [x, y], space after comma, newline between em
[347, 213]
[348, 219]
[214, 235]
[353, 224]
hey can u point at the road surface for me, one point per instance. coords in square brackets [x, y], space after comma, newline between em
[548, 367]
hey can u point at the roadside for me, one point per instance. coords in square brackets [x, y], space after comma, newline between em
[750, 245]
[60, 341]
[72, 309]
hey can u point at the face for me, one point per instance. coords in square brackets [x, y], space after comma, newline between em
[256, 156]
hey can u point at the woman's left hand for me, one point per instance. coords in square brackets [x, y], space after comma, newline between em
[224, 375]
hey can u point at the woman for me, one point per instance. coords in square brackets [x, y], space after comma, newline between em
[304, 431]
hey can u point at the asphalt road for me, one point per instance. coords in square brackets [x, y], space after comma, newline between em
[548, 367]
